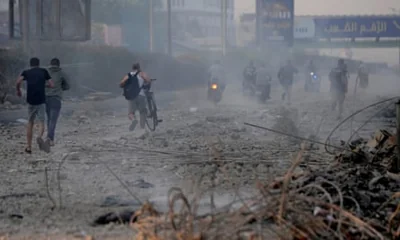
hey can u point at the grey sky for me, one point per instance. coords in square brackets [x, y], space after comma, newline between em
[335, 7]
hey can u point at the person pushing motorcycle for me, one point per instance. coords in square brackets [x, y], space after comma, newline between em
[133, 84]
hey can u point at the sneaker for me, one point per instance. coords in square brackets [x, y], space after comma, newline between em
[28, 150]
[45, 147]
[133, 125]
[49, 142]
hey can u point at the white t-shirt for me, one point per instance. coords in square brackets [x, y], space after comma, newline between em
[141, 81]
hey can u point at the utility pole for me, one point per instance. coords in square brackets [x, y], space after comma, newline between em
[39, 14]
[11, 15]
[25, 25]
[151, 26]
[258, 23]
[223, 25]
[57, 21]
[169, 27]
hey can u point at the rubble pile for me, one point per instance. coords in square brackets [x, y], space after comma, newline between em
[286, 122]
[361, 183]
[354, 198]
[389, 112]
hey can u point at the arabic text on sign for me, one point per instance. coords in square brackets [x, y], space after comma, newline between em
[354, 27]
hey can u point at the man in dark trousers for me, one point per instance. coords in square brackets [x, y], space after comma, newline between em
[339, 85]
[264, 82]
[285, 76]
[54, 97]
[249, 78]
[36, 80]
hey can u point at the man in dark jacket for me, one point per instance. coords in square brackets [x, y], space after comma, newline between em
[339, 86]
[249, 77]
[285, 76]
[54, 97]
[36, 80]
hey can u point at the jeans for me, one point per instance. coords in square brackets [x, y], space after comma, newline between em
[287, 91]
[53, 107]
[337, 101]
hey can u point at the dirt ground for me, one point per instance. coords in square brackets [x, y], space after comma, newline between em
[98, 166]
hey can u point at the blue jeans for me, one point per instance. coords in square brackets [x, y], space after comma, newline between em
[53, 107]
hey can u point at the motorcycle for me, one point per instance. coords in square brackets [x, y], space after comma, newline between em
[214, 92]
[249, 87]
[314, 83]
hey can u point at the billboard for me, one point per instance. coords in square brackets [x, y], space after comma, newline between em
[357, 27]
[275, 20]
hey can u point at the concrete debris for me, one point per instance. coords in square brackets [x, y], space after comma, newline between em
[218, 119]
[141, 183]
[21, 120]
[235, 136]
[380, 148]
[99, 96]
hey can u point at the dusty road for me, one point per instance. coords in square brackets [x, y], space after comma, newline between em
[98, 166]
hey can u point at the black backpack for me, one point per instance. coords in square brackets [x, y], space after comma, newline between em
[131, 87]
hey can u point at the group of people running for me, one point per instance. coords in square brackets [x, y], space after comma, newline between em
[44, 94]
[259, 78]
[44, 91]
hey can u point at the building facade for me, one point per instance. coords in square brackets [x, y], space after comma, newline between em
[199, 21]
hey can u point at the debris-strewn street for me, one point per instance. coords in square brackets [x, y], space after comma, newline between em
[98, 167]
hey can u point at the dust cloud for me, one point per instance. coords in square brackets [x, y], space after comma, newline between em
[98, 166]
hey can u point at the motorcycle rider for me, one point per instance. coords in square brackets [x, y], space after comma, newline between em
[285, 76]
[363, 76]
[249, 77]
[310, 68]
[133, 84]
[339, 86]
[263, 82]
[216, 74]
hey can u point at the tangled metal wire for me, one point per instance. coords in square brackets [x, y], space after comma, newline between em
[351, 117]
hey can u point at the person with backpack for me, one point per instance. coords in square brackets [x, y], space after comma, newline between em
[338, 78]
[132, 85]
[54, 97]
